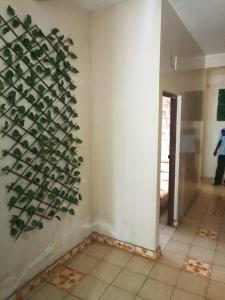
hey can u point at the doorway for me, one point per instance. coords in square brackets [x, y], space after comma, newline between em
[168, 163]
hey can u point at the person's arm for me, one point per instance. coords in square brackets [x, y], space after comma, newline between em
[217, 147]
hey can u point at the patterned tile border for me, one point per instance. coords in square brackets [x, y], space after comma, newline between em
[215, 212]
[206, 179]
[192, 265]
[205, 233]
[56, 267]
[126, 246]
[66, 279]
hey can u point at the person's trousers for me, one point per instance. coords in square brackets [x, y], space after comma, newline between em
[220, 169]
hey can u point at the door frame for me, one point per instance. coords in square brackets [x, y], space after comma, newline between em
[174, 157]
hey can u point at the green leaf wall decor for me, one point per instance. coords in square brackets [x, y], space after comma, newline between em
[38, 113]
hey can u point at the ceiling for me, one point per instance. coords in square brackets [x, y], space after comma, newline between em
[97, 4]
[205, 19]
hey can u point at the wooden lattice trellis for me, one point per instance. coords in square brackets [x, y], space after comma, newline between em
[38, 117]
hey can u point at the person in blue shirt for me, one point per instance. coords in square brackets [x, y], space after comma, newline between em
[221, 158]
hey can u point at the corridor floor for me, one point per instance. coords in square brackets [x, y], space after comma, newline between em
[192, 265]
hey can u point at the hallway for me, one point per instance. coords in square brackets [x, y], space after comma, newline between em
[192, 265]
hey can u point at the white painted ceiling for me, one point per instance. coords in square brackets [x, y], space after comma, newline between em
[205, 19]
[97, 4]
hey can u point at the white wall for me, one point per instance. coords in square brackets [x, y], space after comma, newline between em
[215, 80]
[125, 72]
[187, 81]
[23, 259]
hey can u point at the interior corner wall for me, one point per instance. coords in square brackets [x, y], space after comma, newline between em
[125, 93]
[188, 81]
[33, 252]
[215, 80]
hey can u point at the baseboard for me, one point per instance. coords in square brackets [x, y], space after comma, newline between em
[205, 180]
[22, 292]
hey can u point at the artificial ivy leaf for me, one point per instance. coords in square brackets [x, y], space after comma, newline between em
[18, 70]
[16, 134]
[74, 70]
[40, 209]
[12, 201]
[17, 152]
[9, 77]
[6, 125]
[71, 211]
[10, 11]
[55, 30]
[31, 210]
[41, 89]
[15, 23]
[19, 166]
[11, 97]
[28, 174]
[27, 22]
[5, 169]
[64, 209]
[80, 159]
[1, 86]
[26, 60]
[23, 199]
[73, 55]
[19, 189]
[76, 173]
[35, 223]
[31, 98]
[45, 47]
[27, 43]
[18, 50]
[21, 109]
[47, 72]
[37, 33]
[78, 141]
[25, 144]
[70, 41]
[20, 88]
[14, 231]
[51, 213]
[39, 69]
[5, 30]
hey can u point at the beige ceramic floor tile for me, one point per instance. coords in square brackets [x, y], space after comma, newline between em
[129, 281]
[70, 297]
[218, 273]
[219, 259]
[220, 247]
[204, 243]
[216, 290]
[82, 263]
[183, 295]
[48, 292]
[113, 293]
[172, 259]
[118, 257]
[185, 237]
[193, 283]
[165, 274]
[97, 250]
[155, 290]
[222, 237]
[140, 265]
[105, 272]
[178, 247]
[201, 253]
[90, 289]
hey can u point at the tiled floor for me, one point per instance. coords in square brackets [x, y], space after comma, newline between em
[192, 265]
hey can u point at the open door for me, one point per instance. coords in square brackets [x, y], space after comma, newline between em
[168, 154]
